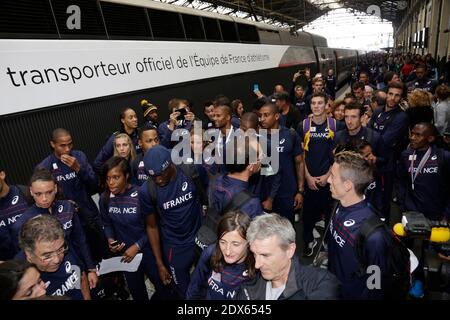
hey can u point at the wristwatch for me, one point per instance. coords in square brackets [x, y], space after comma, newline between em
[302, 192]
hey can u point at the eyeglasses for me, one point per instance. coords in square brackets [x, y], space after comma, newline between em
[47, 257]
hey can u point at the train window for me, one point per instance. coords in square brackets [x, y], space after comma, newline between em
[212, 29]
[193, 27]
[228, 31]
[91, 25]
[125, 22]
[27, 19]
[165, 24]
[247, 33]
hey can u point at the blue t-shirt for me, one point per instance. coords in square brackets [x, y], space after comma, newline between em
[12, 206]
[179, 207]
[319, 157]
[289, 147]
[122, 217]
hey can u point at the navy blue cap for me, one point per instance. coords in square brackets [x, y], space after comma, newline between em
[156, 160]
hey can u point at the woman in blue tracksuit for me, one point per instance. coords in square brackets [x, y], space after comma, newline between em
[124, 226]
[224, 266]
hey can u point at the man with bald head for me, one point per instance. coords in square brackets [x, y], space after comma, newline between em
[425, 189]
[76, 177]
[222, 120]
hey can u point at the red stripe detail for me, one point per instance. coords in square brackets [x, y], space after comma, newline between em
[342, 233]
[170, 256]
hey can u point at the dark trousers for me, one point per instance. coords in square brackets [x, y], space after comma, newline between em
[179, 260]
[136, 280]
[317, 205]
[284, 206]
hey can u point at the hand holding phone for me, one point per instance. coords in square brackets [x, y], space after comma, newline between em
[255, 87]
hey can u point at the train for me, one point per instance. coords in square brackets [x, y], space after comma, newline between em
[75, 64]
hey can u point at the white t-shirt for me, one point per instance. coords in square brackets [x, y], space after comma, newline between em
[273, 293]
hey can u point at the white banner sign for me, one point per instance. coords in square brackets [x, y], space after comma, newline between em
[41, 73]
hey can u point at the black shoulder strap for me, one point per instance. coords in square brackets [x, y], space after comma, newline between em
[191, 171]
[238, 200]
[370, 136]
[367, 228]
[293, 134]
[151, 187]
[340, 137]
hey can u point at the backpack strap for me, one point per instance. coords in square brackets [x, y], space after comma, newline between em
[331, 125]
[151, 188]
[292, 133]
[367, 228]
[370, 136]
[306, 133]
[190, 170]
[238, 200]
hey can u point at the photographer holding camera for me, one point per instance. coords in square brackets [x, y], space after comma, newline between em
[180, 117]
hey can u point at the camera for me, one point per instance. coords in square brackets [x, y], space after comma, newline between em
[182, 112]
[302, 71]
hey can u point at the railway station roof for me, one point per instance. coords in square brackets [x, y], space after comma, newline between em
[295, 13]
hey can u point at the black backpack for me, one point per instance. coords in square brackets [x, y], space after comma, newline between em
[207, 234]
[397, 280]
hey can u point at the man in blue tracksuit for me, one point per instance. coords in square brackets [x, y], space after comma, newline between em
[366, 140]
[392, 124]
[148, 137]
[172, 219]
[424, 175]
[225, 187]
[78, 181]
[317, 133]
[128, 125]
[421, 82]
[12, 205]
[350, 176]
[289, 195]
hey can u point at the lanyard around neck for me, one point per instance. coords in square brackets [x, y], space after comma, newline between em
[422, 163]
